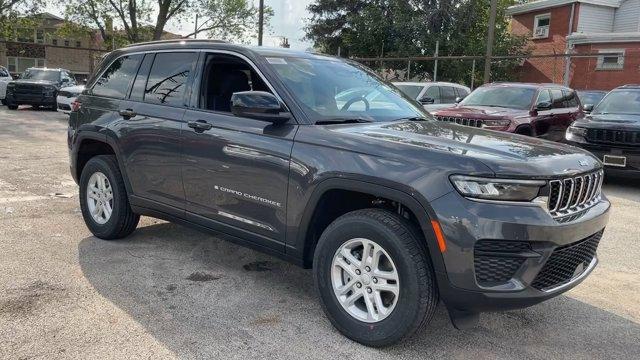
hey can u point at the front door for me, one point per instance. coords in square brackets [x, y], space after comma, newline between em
[235, 170]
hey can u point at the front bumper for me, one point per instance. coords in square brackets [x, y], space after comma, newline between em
[632, 155]
[44, 99]
[467, 224]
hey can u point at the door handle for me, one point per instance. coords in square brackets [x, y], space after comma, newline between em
[127, 113]
[199, 125]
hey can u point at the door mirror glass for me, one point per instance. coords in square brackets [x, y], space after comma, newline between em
[259, 105]
[427, 100]
[544, 105]
[459, 98]
[587, 108]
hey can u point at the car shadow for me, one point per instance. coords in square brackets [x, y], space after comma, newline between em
[203, 297]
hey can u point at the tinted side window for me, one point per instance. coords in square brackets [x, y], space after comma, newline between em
[448, 95]
[168, 78]
[434, 93]
[139, 84]
[115, 81]
[462, 92]
[544, 96]
[558, 99]
[571, 100]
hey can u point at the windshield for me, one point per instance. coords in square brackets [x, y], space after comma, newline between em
[412, 91]
[38, 74]
[501, 96]
[332, 89]
[592, 98]
[625, 102]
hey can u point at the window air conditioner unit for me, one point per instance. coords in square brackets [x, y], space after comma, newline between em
[541, 32]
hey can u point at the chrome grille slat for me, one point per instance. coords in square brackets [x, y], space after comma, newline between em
[573, 194]
[460, 120]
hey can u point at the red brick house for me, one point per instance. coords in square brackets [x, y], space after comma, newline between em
[607, 27]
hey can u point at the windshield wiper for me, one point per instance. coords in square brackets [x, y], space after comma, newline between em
[342, 121]
[413, 118]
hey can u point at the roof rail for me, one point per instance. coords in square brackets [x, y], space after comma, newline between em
[169, 41]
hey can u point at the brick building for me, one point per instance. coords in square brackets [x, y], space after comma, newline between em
[42, 46]
[610, 28]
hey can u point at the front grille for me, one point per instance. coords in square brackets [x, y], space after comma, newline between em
[620, 137]
[496, 262]
[566, 262]
[571, 195]
[460, 120]
[28, 89]
[64, 93]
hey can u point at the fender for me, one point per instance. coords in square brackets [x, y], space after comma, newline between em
[88, 132]
[389, 190]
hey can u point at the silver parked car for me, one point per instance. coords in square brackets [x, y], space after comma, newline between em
[434, 95]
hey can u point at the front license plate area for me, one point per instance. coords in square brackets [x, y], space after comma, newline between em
[619, 161]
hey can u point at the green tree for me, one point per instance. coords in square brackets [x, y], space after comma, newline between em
[17, 14]
[399, 28]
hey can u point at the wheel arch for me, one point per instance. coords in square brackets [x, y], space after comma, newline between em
[309, 231]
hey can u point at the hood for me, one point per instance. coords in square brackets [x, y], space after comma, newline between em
[610, 121]
[504, 153]
[35, 82]
[77, 89]
[482, 112]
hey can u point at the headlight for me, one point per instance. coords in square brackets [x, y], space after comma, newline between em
[496, 124]
[576, 134]
[497, 189]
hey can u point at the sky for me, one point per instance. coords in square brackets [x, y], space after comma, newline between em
[288, 21]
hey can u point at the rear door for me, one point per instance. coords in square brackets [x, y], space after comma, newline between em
[561, 115]
[236, 170]
[150, 128]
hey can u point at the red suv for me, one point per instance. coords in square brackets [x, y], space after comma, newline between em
[540, 110]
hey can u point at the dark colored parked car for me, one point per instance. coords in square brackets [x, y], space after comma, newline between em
[391, 209]
[540, 110]
[590, 98]
[37, 87]
[612, 131]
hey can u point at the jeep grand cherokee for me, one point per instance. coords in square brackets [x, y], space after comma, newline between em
[391, 209]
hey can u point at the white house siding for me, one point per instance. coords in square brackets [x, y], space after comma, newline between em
[596, 19]
[627, 17]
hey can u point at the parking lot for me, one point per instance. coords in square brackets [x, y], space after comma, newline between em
[172, 292]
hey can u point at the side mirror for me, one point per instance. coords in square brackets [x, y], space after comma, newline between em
[544, 105]
[458, 99]
[65, 80]
[427, 100]
[259, 105]
[587, 108]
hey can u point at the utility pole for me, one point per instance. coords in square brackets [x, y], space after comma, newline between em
[195, 30]
[260, 21]
[490, 36]
[435, 65]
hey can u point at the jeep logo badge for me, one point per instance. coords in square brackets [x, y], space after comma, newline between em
[583, 163]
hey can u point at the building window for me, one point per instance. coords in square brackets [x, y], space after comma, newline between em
[78, 44]
[40, 36]
[541, 26]
[20, 64]
[54, 41]
[66, 43]
[611, 59]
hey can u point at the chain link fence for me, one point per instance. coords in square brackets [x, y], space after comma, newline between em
[602, 70]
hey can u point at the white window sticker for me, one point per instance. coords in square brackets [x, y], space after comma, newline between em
[276, 61]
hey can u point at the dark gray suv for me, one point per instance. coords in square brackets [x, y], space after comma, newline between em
[281, 151]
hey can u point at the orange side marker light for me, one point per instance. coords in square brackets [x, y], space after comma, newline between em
[442, 245]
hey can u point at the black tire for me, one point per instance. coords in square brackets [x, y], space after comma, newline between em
[418, 295]
[12, 107]
[123, 220]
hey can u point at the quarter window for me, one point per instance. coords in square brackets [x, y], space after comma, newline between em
[168, 78]
[115, 81]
